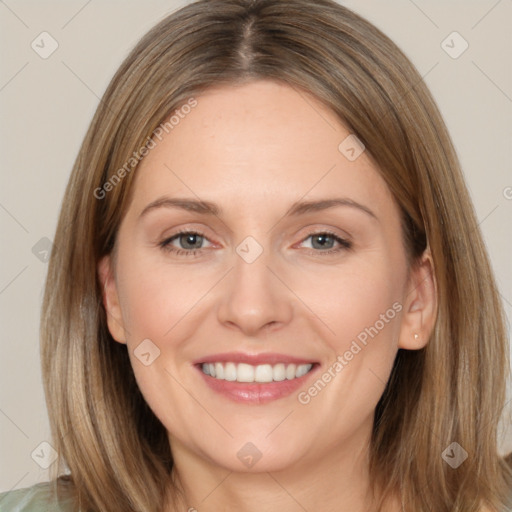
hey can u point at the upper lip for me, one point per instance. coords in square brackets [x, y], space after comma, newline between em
[253, 359]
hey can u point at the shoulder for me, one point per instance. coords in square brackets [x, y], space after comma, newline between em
[37, 498]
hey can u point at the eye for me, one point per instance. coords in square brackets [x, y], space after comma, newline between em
[190, 242]
[324, 241]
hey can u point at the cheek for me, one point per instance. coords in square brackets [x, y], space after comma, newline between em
[364, 308]
[155, 297]
[336, 304]
[346, 301]
[155, 301]
[357, 298]
[361, 307]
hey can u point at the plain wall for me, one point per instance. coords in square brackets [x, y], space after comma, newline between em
[47, 104]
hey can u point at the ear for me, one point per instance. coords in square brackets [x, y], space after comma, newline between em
[420, 305]
[111, 299]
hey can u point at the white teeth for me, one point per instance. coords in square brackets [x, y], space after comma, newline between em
[230, 371]
[301, 370]
[243, 372]
[263, 373]
[290, 371]
[219, 371]
[279, 372]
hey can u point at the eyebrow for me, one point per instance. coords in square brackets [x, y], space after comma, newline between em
[209, 208]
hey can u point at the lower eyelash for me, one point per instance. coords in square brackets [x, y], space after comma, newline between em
[344, 245]
[165, 245]
[182, 252]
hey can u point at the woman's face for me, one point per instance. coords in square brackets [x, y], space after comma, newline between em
[261, 282]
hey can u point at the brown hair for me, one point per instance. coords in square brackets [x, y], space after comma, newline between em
[452, 390]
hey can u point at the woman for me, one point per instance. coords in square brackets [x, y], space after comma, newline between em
[322, 343]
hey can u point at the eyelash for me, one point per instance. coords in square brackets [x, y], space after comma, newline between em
[165, 244]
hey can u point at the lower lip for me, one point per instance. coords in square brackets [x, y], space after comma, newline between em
[256, 393]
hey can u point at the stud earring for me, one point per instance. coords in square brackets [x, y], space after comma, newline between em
[416, 336]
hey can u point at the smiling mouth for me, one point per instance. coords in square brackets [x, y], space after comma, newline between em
[262, 373]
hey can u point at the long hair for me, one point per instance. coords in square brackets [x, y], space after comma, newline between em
[453, 390]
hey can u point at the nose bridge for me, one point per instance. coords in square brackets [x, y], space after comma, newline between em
[251, 264]
[255, 297]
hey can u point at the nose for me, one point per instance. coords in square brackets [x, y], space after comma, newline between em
[255, 297]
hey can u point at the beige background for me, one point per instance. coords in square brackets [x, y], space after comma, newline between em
[46, 105]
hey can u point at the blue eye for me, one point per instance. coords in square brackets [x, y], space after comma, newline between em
[191, 242]
[192, 238]
[322, 240]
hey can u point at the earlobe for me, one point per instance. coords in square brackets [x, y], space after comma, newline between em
[111, 299]
[420, 305]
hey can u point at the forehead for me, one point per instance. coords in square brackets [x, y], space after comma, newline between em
[261, 142]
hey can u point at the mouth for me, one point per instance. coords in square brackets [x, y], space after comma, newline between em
[262, 373]
[255, 379]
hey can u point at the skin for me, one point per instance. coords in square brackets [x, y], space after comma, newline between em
[255, 149]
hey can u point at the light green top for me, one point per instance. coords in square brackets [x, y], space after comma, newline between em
[38, 498]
